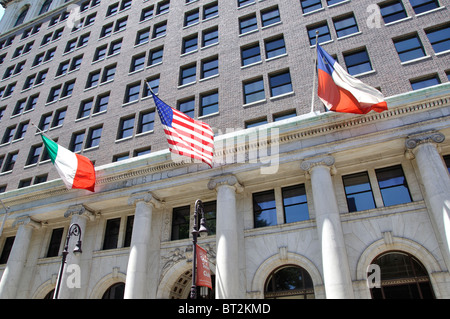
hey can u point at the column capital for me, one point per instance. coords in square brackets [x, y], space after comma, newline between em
[309, 163]
[27, 221]
[80, 210]
[229, 180]
[145, 197]
[415, 140]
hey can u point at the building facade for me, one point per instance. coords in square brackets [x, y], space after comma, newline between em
[300, 202]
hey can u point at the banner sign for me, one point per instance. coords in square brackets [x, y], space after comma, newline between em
[203, 272]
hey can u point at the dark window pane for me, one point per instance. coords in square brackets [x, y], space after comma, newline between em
[264, 210]
[393, 187]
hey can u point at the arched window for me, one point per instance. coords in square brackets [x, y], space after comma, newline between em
[115, 291]
[21, 17]
[45, 6]
[402, 277]
[289, 282]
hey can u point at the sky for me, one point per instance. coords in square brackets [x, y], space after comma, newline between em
[1, 12]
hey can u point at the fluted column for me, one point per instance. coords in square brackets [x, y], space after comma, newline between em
[436, 182]
[336, 270]
[73, 272]
[136, 281]
[227, 261]
[16, 262]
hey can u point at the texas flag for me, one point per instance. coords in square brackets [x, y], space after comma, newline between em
[341, 92]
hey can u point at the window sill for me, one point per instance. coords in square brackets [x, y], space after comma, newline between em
[416, 60]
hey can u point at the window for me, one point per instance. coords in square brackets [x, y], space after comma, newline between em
[45, 6]
[284, 115]
[146, 121]
[93, 79]
[409, 48]
[191, 17]
[132, 92]
[68, 88]
[251, 54]
[310, 5]
[291, 282]
[295, 204]
[180, 223]
[187, 107]
[190, 44]
[21, 18]
[111, 233]
[439, 38]
[21, 130]
[156, 56]
[280, 83]
[126, 127]
[163, 7]
[116, 291]
[106, 30]
[85, 108]
[24, 182]
[345, 25]
[100, 53]
[142, 36]
[128, 231]
[54, 93]
[8, 135]
[210, 67]
[275, 47]
[358, 192]
[94, 137]
[256, 122]
[101, 103]
[420, 6]
[147, 13]
[137, 62]
[425, 82]
[210, 10]
[112, 9]
[248, 24]
[210, 210]
[7, 247]
[392, 11]
[108, 73]
[159, 30]
[115, 47]
[76, 143]
[55, 242]
[187, 74]
[209, 103]
[357, 62]
[254, 91]
[59, 117]
[324, 33]
[44, 123]
[242, 3]
[402, 277]
[264, 210]
[393, 186]
[10, 161]
[35, 153]
[270, 16]
[210, 37]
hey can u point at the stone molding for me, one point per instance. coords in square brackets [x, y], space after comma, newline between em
[229, 180]
[80, 210]
[415, 140]
[27, 221]
[145, 197]
[308, 164]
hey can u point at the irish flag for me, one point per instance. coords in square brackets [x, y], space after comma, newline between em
[76, 171]
[341, 92]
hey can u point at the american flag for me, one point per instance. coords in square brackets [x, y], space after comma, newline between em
[185, 135]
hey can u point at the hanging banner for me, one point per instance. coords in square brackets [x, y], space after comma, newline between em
[203, 272]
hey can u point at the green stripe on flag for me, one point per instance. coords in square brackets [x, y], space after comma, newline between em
[52, 147]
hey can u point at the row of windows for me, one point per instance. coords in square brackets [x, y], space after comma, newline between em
[391, 182]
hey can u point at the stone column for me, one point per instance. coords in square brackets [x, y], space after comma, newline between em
[436, 183]
[336, 270]
[72, 277]
[136, 282]
[227, 251]
[16, 262]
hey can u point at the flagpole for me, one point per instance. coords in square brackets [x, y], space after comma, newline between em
[314, 74]
[39, 130]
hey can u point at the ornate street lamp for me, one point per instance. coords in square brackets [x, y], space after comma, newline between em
[74, 229]
[195, 232]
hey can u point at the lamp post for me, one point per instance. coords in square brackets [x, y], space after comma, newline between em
[195, 233]
[74, 229]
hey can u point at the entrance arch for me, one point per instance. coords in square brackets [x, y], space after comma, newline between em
[403, 276]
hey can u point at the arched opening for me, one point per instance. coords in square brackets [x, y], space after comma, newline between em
[21, 18]
[182, 287]
[289, 282]
[402, 277]
[115, 291]
[45, 6]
